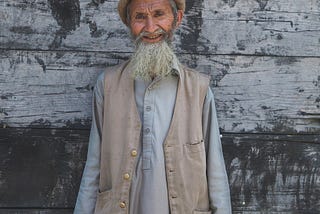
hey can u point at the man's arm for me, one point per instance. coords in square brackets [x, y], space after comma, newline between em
[217, 177]
[89, 187]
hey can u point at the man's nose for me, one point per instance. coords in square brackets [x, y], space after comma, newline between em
[150, 25]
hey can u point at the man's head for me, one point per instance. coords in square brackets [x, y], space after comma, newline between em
[123, 6]
[152, 23]
[156, 19]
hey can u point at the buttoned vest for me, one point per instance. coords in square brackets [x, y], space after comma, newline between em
[184, 150]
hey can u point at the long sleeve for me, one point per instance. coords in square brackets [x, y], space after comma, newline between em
[217, 177]
[89, 186]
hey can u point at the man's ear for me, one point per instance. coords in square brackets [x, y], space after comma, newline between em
[179, 18]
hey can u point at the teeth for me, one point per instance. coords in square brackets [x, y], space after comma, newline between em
[153, 37]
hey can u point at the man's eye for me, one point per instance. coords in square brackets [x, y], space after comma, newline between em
[140, 16]
[158, 14]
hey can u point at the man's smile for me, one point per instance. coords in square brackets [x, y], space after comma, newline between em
[152, 38]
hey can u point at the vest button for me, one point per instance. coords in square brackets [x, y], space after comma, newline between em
[122, 205]
[126, 176]
[134, 153]
[147, 130]
[148, 108]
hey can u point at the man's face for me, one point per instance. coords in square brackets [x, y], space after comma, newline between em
[153, 18]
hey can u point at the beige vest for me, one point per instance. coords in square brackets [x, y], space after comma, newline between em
[184, 152]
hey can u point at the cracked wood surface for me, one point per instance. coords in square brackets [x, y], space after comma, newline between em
[253, 94]
[260, 27]
[273, 173]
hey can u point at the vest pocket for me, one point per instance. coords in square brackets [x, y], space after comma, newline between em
[195, 146]
[104, 201]
[104, 194]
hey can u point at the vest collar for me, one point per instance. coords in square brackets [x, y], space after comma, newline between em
[176, 67]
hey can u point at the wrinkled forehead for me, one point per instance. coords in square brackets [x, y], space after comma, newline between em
[149, 5]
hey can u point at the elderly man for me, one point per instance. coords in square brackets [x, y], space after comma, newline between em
[154, 143]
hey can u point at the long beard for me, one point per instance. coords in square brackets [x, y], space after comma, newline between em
[152, 60]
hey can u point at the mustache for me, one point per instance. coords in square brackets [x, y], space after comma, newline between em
[157, 32]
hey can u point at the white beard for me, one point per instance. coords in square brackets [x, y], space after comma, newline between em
[152, 60]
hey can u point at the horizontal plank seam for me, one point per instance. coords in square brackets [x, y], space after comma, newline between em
[180, 53]
[222, 133]
[269, 134]
[47, 128]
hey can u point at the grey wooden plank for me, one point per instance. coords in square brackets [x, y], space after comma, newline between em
[40, 89]
[257, 27]
[253, 94]
[248, 8]
[41, 168]
[273, 173]
[265, 94]
[219, 27]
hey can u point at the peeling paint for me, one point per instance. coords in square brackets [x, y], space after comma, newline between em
[76, 123]
[241, 45]
[94, 32]
[316, 82]
[22, 30]
[6, 96]
[3, 112]
[262, 167]
[67, 13]
[231, 3]
[279, 36]
[96, 2]
[191, 40]
[41, 62]
[40, 123]
[285, 61]
[85, 88]
[262, 4]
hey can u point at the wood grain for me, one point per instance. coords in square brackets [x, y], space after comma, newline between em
[267, 173]
[217, 27]
[253, 94]
[273, 173]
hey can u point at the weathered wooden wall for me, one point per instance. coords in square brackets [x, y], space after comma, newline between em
[264, 59]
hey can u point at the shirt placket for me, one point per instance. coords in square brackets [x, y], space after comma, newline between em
[148, 114]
